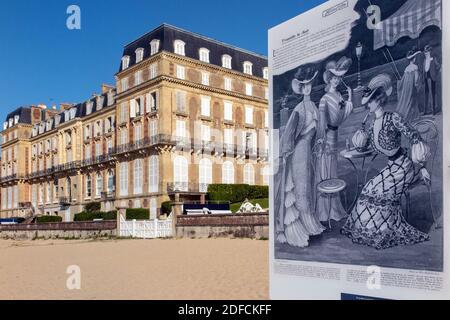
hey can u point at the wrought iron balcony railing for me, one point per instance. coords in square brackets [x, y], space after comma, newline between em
[187, 187]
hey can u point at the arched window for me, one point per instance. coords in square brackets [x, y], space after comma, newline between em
[98, 185]
[180, 173]
[125, 62]
[138, 174]
[249, 174]
[203, 55]
[226, 61]
[205, 174]
[266, 175]
[123, 179]
[179, 47]
[248, 67]
[154, 46]
[153, 165]
[139, 54]
[88, 186]
[228, 172]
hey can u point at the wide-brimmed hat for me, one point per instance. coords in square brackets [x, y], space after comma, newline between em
[383, 82]
[427, 48]
[338, 69]
[303, 76]
[412, 54]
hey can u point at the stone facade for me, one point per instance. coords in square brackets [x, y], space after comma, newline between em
[176, 123]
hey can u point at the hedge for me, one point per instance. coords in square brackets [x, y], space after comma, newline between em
[93, 207]
[166, 207]
[236, 192]
[138, 214]
[48, 219]
[90, 216]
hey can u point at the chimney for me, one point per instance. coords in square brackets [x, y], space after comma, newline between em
[65, 106]
[106, 88]
[42, 106]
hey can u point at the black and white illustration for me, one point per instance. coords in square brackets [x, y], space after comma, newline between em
[359, 145]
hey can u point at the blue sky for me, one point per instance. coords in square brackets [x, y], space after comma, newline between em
[44, 62]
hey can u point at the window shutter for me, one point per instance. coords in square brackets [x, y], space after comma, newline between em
[141, 106]
[148, 104]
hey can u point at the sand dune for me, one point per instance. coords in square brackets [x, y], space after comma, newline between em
[135, 269]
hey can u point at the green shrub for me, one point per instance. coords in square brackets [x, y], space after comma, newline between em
[166, 207]
[90, 216]
[48, 219]
[236, 192]
[138, 214]
[93, 207]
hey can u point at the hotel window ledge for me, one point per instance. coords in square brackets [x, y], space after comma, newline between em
[228, 122]
[181, 112]
[206, 118]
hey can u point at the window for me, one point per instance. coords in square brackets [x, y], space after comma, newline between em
[181, 129]
[228, 111]
[153, 128]
[249, 89]
[153, 170]
[228, 136]
[226, 61]
[33, 197]
[125, 62]
[205, 133]
[228, 172]
[137, 132]
[181, 101]
[109, 145]
[180, 174]
[205, 78]
[87, 152]
[138, 174]
[266, 119]
[98, 149]
[151, 100]
[123, 137]
[266, 73]
[98, 129]
[138, 78]
[179, 47]
[181, 72]
[87, 132]
[139, 55]
[228, 83]
[204, 55]
[124, 84]
[153, 208]
[249, 174]
[16, 196]
[206, 107]
[123, 179]
[68, 139]
[266, 175]
[123, 112]
[88, 186]
[136, 107]
[153, 70]
[205, 174]
[110, 181]
[98, 185]
[55, 190]
[248, 115]
[154, 46]
[248, 68]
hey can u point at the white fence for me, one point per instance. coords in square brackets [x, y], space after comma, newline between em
[145, 229]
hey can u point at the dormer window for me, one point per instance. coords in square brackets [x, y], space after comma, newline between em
[179, 47]
[248, 68]
[5, 125]
[11, 122]
[73, 113]
[154, 46]
[266, 73]
[16, 119]
[89, 107]
[100, 101]
[125, 62]
[57, 120]
[204, 55]
[110, 97]
[226, 61]
[49, 124]
[139, 55]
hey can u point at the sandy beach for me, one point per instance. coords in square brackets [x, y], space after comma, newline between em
[231, 269]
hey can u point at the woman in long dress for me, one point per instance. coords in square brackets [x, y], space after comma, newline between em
[377, 218]
[297, 219]
[408, 100]
[333, 111]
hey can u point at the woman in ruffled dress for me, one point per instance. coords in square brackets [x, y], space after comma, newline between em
[297, 221]
[377, 220]
[333, 111]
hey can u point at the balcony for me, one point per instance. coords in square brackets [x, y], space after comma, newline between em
[8, 178]
[186, 187]
[144, 143]
[64, 201]
[98, 160]
[108, 195]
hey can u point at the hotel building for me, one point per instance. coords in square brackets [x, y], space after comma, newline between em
[187, 111]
